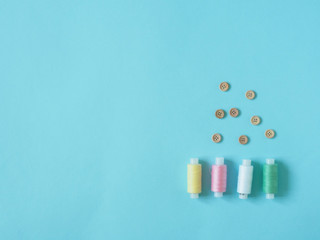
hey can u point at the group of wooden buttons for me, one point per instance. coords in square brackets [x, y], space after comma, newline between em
[234, 112]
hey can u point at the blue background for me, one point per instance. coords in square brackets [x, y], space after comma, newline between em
[102, 104]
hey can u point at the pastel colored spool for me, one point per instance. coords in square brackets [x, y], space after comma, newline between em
[270, 178]
[194, 178]
[219, 177]
[245, 179]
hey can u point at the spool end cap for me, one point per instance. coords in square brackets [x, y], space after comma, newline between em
[219, 161]
[269, 196]
[243, 196]
[194, 160]
[218, 194]
[194, 195]
[270, 161]
[246, 162]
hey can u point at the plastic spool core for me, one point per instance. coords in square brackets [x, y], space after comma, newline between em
[219, 161]
[243, 196]
[194, 161]
[269, 196]
[270, 161]
[218, 194]
[194, 195]
[246, 162]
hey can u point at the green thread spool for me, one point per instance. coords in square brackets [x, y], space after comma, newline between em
[270, 178]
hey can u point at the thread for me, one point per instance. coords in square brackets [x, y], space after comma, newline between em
[219, 177]
[245, 179]
[270, 178]
[194, 178]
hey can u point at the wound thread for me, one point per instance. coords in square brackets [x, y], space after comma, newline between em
[270, 178]
[194, 178]
[245, 179]
[219, 177]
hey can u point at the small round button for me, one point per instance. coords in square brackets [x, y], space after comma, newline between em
[216, 137]
[224, 86]
[250, 94]
[220, 113]
[234, 112]
[243, 139]
[270, 133]
[255, 120]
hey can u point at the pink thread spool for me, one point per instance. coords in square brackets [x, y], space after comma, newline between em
[219, 177]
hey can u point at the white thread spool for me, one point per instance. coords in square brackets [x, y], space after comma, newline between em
[245, 179]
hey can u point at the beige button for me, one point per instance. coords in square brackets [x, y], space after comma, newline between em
[234, 112]
[224, 86]
[270, 133]
[220, 113]
[216, 137]
[250, 94]
[243, 139]
[255, 120]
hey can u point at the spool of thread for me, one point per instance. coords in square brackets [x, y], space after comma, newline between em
[245, 179]
[270, 178]
[194, 178]
[219, 177]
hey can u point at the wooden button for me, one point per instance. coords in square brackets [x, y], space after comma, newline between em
[270, 133]
[216, 137]
[234, 112]
[220, 113]
[255, 120]
[224, 86]
[250, 94]
[243, 139]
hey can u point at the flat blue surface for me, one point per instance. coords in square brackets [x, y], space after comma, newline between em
[102, 103]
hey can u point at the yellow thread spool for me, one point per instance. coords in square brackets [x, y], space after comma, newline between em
[194, 178]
